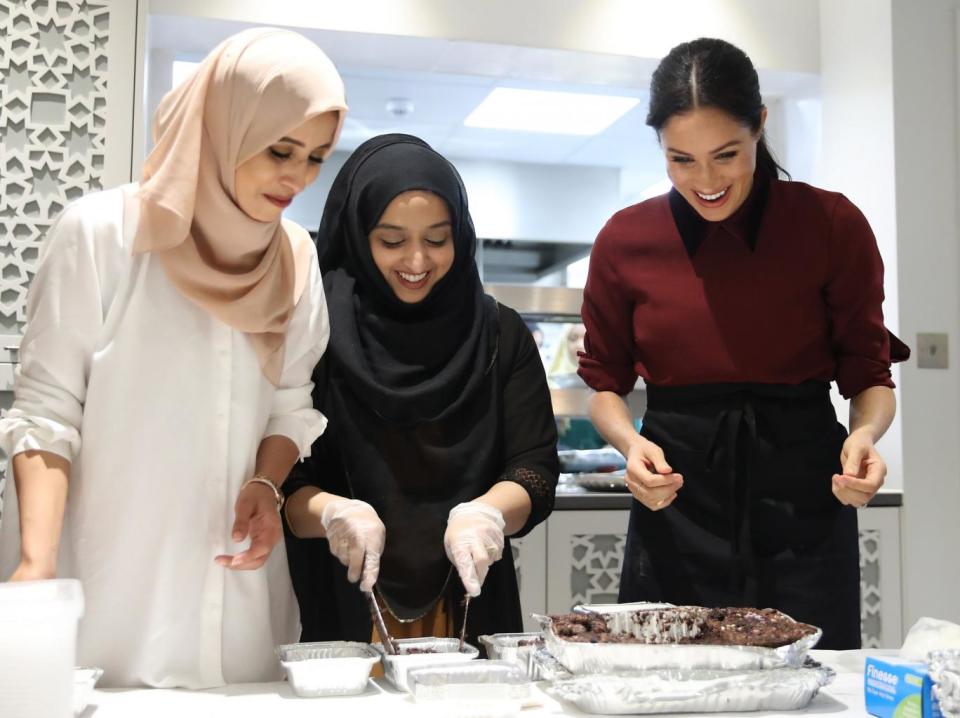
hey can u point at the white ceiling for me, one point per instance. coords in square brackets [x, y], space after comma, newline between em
[447, 79]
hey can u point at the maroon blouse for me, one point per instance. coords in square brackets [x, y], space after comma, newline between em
[788, 289]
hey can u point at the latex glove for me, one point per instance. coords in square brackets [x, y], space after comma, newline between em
[863, 471]
[356, 536]
[256, 517]
[473, 541]
[649, 477]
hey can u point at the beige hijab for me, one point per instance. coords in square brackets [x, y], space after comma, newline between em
[249, 91]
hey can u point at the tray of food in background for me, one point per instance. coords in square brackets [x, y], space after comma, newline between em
[327, 668]
[574, 461]
[421, 652]
[614, 481]
[660, 691]
[683, 637]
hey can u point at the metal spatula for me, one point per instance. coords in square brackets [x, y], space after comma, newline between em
[389, 645]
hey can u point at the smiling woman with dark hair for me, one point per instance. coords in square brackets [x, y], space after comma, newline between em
[739, 297]
[441, 440]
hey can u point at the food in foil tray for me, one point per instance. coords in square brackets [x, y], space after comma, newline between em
[677, 637]
[764, 627]
[419, 652]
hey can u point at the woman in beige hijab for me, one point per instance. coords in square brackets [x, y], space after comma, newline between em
[164, 388]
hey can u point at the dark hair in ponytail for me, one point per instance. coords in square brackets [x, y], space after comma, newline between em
[710, 73]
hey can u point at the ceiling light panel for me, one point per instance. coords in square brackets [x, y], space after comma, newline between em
[541, 111]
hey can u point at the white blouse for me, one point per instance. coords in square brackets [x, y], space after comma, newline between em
[160, 409]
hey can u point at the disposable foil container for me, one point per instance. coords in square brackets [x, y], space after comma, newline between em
[944, 669]
[480, 680]
[443, 651]
[692, 691]
[328, 668]
[589, 658]
[507, 647]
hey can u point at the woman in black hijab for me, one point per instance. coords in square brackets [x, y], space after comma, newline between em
[441, 439]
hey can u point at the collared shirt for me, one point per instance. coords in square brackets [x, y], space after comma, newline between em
[744, 223]
[160, 408]
[789, 289]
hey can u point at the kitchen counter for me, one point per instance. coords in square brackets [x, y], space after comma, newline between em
[843, 697]
[574, 498]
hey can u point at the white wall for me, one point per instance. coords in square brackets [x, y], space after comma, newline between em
[509, 200]
[925, 77]
[779, 35]
[857, 147]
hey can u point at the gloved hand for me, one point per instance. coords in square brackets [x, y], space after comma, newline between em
[473, 541]
[356, 536]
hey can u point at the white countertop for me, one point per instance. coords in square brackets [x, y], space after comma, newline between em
[266, 700]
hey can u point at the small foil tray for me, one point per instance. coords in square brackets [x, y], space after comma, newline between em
[84, 680]
[327, 668]
[591, 658]
[480, 680]
[691, 691]
[442, 651]
[516, 648]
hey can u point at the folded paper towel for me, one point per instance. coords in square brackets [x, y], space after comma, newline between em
[930, 634]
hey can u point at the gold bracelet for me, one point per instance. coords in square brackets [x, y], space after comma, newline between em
[261, 479]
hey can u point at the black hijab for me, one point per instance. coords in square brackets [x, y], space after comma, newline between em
[409, 389]
[414, 362]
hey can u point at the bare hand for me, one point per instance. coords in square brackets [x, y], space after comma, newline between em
[256, 517]
[863, 471]
[650, 478]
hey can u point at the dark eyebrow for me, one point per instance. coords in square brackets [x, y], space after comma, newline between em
[712, 152]
[383, 225]
[291, 141]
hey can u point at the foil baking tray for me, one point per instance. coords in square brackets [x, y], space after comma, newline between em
[692, 691]
[590, 658]
[327, 668]
[480, 680]
[944, 669]
[435, 652]
[516, 648]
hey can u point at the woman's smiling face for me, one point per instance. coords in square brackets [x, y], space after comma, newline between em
[711, 158]
[412, 244]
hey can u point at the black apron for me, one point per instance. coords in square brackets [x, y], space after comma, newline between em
[756, 522]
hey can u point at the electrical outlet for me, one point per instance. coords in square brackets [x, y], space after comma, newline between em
[932, 351]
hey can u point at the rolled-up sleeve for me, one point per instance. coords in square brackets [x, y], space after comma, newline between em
[854, 298]
[607, 362]
[292, 413]
[64, 319]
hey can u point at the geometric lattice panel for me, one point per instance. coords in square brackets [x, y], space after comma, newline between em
[871, 628]
[53, 64]
[596, 563]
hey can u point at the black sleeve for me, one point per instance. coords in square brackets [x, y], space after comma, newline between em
[529, 428]
[318, 469]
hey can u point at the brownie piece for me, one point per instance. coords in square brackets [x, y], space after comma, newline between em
[765, 627]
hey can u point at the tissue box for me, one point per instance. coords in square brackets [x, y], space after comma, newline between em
[895, 688]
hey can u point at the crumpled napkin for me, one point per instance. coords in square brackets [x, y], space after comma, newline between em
[929, 634]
